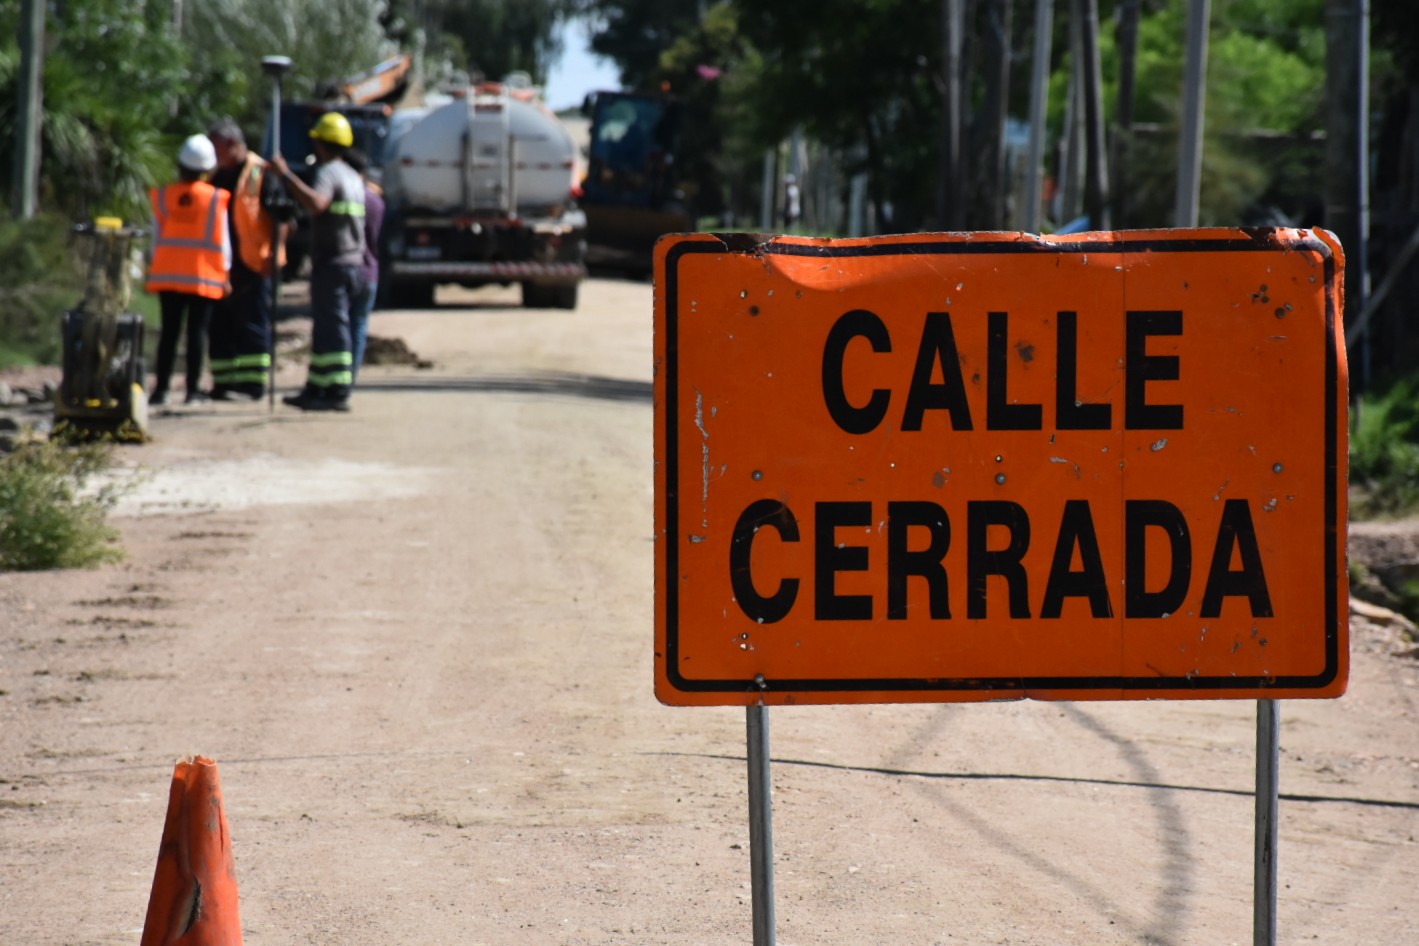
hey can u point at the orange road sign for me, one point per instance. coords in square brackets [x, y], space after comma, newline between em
[955, 467]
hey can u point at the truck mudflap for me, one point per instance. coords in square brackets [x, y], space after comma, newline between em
[501, 270]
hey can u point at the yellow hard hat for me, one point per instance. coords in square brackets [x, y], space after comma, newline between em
[335, 129]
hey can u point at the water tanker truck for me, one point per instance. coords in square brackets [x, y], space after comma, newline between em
[480, 191]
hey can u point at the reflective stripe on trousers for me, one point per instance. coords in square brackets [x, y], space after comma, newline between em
[243, 369]
[331, 354]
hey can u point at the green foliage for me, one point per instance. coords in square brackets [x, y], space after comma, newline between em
[112, 78]
[1394, 30]
[48, 516]
[37, 283]
[634, 33]
[1384, 450]
[124, 84]
[325, 39]
[1264, 96]
[869, 91]
[1266, 63]
[503, 36]
[712, 97]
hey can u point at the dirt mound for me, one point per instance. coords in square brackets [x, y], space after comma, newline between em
[392, 351]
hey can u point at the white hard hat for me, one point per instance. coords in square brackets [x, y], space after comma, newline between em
[197, 154]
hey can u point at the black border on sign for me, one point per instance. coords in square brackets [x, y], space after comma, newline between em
[1257, 240]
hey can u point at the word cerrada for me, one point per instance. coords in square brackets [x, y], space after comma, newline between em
[1075, 539]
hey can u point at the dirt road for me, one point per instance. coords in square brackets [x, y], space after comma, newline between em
[417, 639]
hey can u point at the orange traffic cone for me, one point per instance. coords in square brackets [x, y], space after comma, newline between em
[194, 898]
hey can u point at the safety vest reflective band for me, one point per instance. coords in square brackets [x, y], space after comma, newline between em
[346, 208]
[331, 368]
[243, 369]
[190, 231]
[253, 224]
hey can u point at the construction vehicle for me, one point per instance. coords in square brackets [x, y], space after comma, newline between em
[385, 83]
[633, 193]
[480, 191]
[101, 394]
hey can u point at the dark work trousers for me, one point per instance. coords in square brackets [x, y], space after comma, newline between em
[241, 334]
[176, 308]
[332, 290]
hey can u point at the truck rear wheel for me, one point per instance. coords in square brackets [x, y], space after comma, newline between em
[564, 296]
[411, 295]
[549, 296]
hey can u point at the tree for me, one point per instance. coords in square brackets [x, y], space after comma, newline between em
[1265, 79]
[868, 92]
[635, 33]
[704, 71]
[504, 36]
[326, 40]
[111, 80]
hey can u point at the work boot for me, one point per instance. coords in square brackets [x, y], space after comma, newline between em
[316, 399]
[158, 398]
[341, 404]
[238, 392]
[302, 399]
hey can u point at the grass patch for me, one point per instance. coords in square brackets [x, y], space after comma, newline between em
[37, 283]
[50, 517]
[1384, 451]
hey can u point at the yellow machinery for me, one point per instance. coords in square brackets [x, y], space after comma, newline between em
[101, 395]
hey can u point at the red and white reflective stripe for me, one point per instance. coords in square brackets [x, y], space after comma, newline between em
[503, 269]
[435, 163]
[488, 165]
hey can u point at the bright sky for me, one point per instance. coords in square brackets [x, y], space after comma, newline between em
[578, 72]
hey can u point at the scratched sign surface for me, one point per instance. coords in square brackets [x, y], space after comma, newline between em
[984, 466]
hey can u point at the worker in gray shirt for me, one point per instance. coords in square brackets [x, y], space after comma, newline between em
[336, 201]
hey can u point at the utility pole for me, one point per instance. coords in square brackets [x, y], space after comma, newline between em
[1121, 156]
[1347, 101]
[1194, 98]
[1039, 102]
[988, 211]
[1071, 162]
[1096, 171]
[949, 189]
[30, 97]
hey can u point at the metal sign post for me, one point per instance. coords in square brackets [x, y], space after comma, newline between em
[1268, 783]
[761, 824]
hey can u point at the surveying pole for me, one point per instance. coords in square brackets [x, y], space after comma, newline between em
[276, 67]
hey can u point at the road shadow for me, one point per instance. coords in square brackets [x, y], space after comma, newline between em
[555, 384]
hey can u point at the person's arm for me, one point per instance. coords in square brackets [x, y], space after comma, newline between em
[224, 229]
[224, 233]
[316, 201]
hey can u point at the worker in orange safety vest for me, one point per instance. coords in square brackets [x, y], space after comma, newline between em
[191, 262]
[241, 323]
